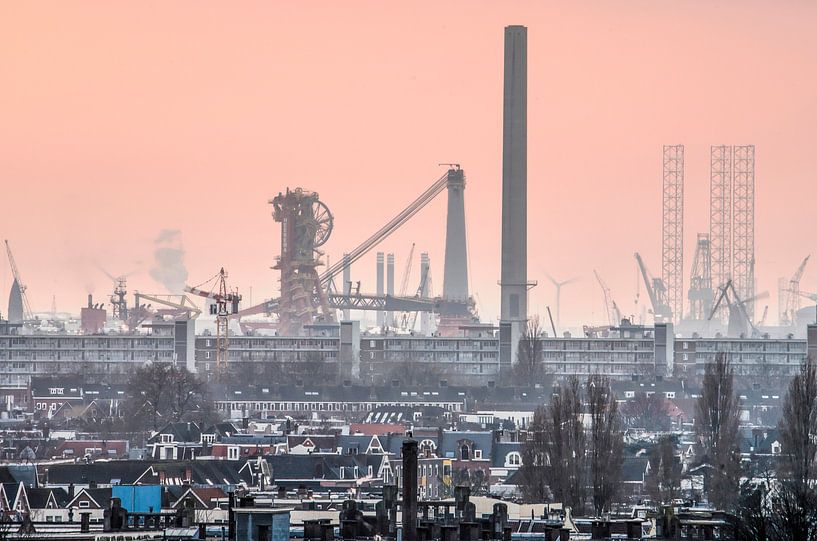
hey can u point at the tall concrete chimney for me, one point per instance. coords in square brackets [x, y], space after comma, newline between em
[455, 278]
[381, 315]
[425, 280]
[514, 279]
[347, 283]
[390, 286]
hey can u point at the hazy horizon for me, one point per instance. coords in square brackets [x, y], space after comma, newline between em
[126, 123]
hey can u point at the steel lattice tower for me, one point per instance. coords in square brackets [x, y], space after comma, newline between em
[672, 252]
[700, 280]
[720, 217]
[743, 216]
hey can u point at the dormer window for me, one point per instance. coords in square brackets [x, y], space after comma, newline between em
[513, 459]
[167, 438]
[427, 448]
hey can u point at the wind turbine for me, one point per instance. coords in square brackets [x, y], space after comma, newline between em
[558, 286]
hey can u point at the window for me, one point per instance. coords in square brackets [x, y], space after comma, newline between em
[427, 448]
[513, 459]
[478, 454]
[84, 504]
[465, 453]
[232, 453]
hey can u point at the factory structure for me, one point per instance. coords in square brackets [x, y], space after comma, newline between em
[716, 310]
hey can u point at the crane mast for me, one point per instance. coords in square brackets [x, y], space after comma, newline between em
[226, 303]
[793, 294]
[613, 314]
[657, 293]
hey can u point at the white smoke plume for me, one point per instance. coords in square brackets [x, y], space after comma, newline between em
[168, 261]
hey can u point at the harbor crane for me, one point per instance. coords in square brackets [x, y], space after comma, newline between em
[226, 303]
[740, 323]
[610, 307]
[27, 313]
[657, 291]
[792, 295]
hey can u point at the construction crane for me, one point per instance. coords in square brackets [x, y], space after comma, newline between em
[610, 307]
[403, 319]
[226, 303]
[657, 291]
[27, 313]
[762, 321]
[739, 320]
[178, 306]
[792, 295]
[425, 280]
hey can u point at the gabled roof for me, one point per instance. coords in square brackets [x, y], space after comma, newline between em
[182, 433]
[318, 442]
[203, 496]
[98, 497]
[101, 472]
[16, 473]
[633, 469]
[47, 498]
[317, 466]
[61, 388]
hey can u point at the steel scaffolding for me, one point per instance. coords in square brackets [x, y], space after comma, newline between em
[672, 252]
[720, 218]
[743, 216]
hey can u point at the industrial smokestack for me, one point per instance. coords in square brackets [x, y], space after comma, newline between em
[455, 278]
[425, 280]
[90, 300]
[390, 286]
[514, 279]
[347, 283]
[381, 316]
[15, 312]
[409, 455]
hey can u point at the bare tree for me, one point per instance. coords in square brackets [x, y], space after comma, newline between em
[647, 411]
[554, 455]
[798, 427]
[534, 472]
[753, 521]
[529, 368]
[160, 393]
[716, 424]
[664, 480]
[606, 442]
[567, 447]
[795, 500]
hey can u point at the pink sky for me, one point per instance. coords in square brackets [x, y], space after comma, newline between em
[120, 120]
